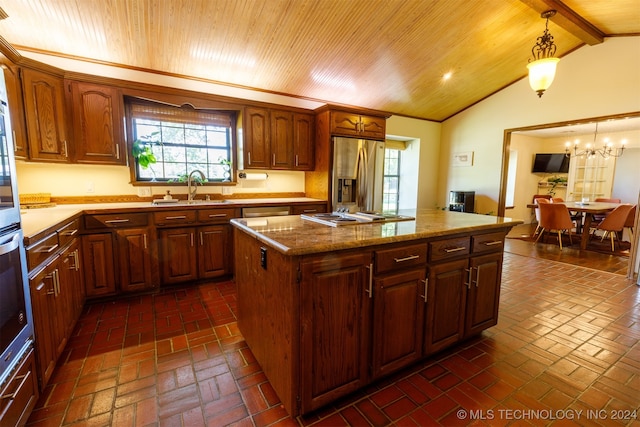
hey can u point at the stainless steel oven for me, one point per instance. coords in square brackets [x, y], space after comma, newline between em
[16, 322]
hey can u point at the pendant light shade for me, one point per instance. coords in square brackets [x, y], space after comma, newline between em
[541, 74]
[542, 69]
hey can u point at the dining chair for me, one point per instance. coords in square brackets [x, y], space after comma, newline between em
[576, 217]
[555, 216]
[614, 223]
[599, 217]
[538, 201]
[629, 223]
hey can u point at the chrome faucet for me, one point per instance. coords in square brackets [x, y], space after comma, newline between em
[192, 193]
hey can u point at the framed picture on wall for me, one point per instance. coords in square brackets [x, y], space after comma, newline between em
[463, 158]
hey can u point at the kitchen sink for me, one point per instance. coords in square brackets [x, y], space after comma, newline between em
[177, 202]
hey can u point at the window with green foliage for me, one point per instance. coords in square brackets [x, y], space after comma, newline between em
[170, 142]
[391, 181]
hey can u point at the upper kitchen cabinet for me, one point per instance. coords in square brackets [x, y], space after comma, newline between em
[98, 131]
[16, 107]
[45, 116]
[278, 139]
[361, 126]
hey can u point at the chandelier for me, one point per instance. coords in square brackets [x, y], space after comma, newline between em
[590, 151]
[542, 69]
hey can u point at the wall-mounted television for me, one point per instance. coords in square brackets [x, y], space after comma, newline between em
[550, 163]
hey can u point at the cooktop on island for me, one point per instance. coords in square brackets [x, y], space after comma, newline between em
[336, 219]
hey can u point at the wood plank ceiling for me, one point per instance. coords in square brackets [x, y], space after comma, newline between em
[388, 55]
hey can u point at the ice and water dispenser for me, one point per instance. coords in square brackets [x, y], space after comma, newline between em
[462, 201]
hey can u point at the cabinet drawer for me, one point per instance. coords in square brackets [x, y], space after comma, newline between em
[400, 258]
[41, 250]
[449, 248]
[19, 394]
[308, 209]
[68, 232]
[175, 217]
[217, 215]
[92, 222]
[490, 242]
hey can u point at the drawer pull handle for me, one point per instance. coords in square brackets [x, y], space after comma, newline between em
[176, 217]
[407, 258]
[458, 249]
[493, 243]
[468, 283]
[369, 289]
[310, 210]
[217, 215]
[69, 232]
[22, 379]
[116, 221]
[48, 249]
[426, 289]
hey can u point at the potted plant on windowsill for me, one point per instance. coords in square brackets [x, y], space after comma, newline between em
[142, 152]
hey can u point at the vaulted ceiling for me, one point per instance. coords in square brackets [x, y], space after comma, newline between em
[388, 55]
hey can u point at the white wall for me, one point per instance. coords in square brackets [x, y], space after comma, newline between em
[592, 81]
[427, 135]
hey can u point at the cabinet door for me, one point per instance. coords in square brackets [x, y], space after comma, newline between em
[343, 123]
[281, 143]
[335, 328]
[398, 319]
[45, 116]
[179, 257]
[373, 127]
[135, 258]
[214, 251]
[75, 278]
[446, 296]
[42, 292]
[66, 284]
[97, 124]
[99, 266]
[303, 142]
[256, 151]
[16, 108]
[484, 293]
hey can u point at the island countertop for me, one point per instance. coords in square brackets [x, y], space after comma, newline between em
[294, 235]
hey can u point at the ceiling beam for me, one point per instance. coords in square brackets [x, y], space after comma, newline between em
[568, 20]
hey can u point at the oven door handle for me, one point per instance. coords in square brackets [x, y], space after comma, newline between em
[10, 245]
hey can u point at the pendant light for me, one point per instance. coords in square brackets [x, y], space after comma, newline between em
[542, 69]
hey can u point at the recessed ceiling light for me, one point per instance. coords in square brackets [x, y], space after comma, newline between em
[447, 76]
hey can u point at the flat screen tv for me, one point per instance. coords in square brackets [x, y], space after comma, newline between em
[550, 163]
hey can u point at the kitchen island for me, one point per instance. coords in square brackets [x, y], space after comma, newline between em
[327, 310]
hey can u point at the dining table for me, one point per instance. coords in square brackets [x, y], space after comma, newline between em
[588, 210]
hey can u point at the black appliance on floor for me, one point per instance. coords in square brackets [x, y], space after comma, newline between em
[462, 201]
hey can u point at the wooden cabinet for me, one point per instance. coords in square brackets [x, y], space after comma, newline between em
[16, 108]
[357, 125]
[135, 258]
[178, 255]
[98, 132]
[278, 139]
[463, 294]
[99, 272]
[335, 327]
[309, 208]
[45, 116]
[213, 251]
[19, 393]
[257, 137]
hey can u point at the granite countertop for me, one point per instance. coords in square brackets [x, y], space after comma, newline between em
[38, 221]
[293, 235]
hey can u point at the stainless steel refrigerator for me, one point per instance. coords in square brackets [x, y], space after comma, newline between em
[357, 176]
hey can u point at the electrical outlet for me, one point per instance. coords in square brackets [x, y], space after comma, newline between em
[263, 257]
[90, 187]
[144, 191]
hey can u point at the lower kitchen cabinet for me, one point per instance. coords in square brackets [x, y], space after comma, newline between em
[136, 258]
[398, 313]
[99, 272]
[192, 253]
[483, 296]
[335, 326]
[19, 394]
[214, 256]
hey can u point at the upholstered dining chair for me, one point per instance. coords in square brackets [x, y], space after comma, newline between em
[599, 217]
[629, 223]
[555, 216]
[614, 223]
[538, 201]
[576, 217]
